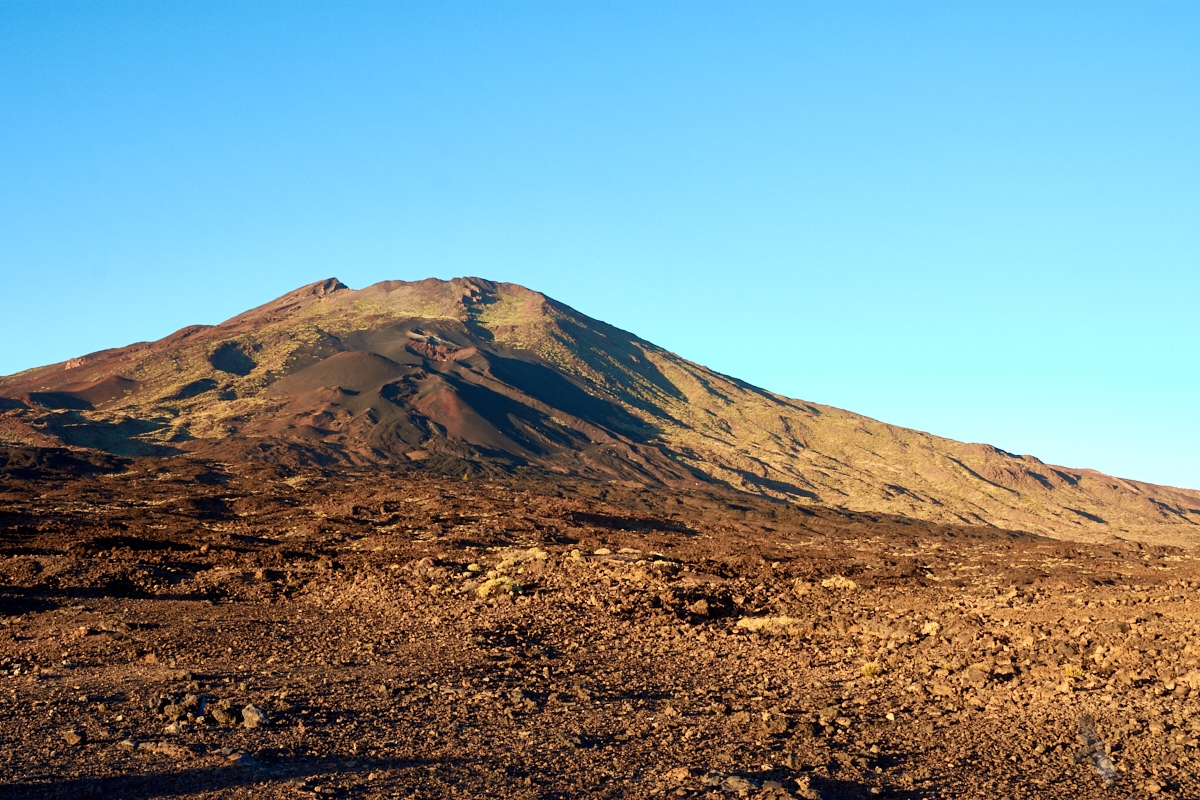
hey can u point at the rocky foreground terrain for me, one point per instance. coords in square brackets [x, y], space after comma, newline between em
[174, 627]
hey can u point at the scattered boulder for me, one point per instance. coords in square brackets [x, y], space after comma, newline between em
[699, 608]
[1112, 628]
[254, 717]
[806, 789]
[1065, 650]
[223, 713]
[678, 775]
[976, 675]
[777, 725]
[839, 583]
[736, 783]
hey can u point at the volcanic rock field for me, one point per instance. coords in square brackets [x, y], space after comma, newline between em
[421, 636]
[452, 539]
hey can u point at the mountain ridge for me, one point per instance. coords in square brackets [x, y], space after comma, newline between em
[470, 376]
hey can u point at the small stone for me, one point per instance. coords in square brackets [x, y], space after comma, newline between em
[828, 714]
[127, 744]
[839, 582]
[243, 761]
[223, 714]
[678, 774]
[75, 737]
[975, 675]
[805, 788]
[777, 725]
[1113, 628]
[1152, 787]
[736, 783]
[169, 749]
[254, 717]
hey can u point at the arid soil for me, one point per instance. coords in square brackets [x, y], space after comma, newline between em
[184, 629]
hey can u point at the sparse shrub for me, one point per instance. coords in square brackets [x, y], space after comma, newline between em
[498, 585]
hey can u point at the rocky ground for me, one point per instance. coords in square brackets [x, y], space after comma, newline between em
[180, 629]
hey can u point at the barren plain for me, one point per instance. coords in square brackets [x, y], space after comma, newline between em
[177, 628]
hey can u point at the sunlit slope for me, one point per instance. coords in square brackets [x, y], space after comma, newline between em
[476, 377]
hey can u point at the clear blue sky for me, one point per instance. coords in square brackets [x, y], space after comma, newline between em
[976, 219]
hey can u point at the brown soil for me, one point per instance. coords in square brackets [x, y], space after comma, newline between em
[410, 635]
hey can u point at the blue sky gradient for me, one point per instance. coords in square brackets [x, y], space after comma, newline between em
[980, 220]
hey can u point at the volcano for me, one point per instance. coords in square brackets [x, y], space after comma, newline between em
[469, 377]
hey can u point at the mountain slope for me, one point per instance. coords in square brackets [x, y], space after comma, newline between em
[470, 376]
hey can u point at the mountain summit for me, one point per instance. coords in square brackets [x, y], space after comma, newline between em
[473, 377]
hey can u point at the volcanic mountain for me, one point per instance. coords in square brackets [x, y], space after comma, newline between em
[470, 377]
